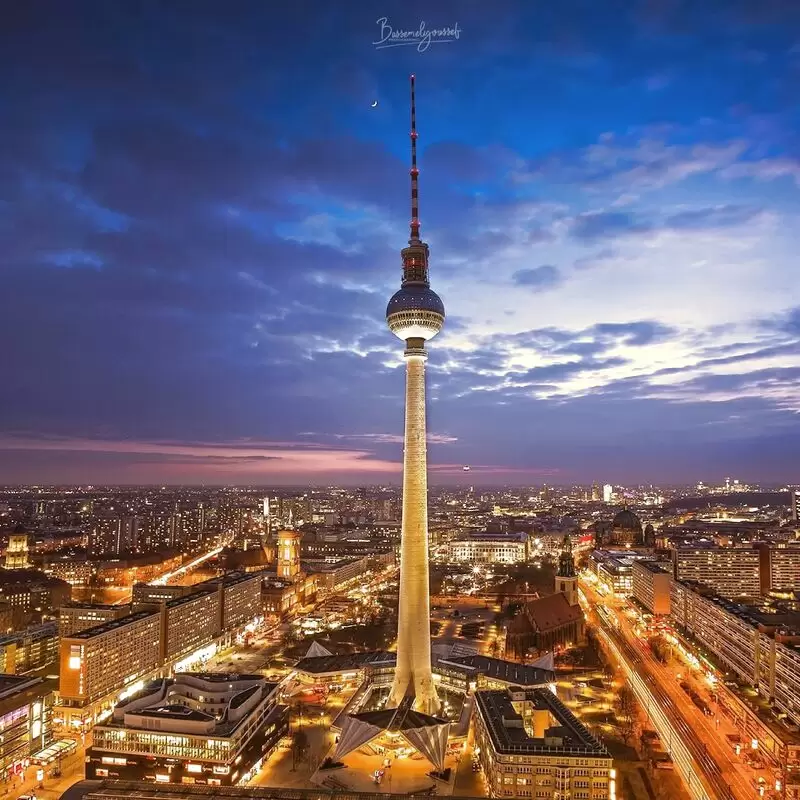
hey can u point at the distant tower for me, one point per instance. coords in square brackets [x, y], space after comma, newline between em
[608, 493]
[595, 492]
[17, 552]
[288, 561]
[566, 578]
[414, 314]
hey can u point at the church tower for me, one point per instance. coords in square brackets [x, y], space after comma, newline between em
[566, 578]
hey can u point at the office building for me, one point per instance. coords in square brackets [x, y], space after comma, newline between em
[608, 493]
[487, 548]
[614, 569]
[651, 582]
[26, 710]
[210, 729]
[795, 501]
[530, 745]
[729, 571]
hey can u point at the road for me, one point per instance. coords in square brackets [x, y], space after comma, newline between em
[50, 788]
[695, 746]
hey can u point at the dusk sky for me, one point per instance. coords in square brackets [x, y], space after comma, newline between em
[201, 214]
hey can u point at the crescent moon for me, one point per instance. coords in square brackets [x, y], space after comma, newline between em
[374, 103]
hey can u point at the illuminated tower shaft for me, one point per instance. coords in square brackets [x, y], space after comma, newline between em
[413, 672]
[415, 314]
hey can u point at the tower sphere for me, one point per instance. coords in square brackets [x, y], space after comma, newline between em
[415, 312]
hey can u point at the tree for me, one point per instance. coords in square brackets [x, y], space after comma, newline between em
[300, 747]
[626, 712]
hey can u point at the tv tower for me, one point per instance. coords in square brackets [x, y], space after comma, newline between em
[414, 314]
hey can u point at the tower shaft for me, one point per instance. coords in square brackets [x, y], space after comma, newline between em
[413, 672]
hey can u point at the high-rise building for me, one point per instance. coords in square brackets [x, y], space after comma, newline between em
[796, 505]
[114, 534]
[414, 314]
[608, 493]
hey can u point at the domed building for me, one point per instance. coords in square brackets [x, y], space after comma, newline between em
[625, 531]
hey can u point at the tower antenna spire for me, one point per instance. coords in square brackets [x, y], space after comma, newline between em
[414, 169]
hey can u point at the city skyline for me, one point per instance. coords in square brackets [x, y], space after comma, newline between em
[203, 210]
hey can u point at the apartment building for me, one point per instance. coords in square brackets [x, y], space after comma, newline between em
[241, 599]
[98, 661]
[780, 568]
[759, 646]
[530, 745]
[191, 622]
[729, 571]
[77, 617]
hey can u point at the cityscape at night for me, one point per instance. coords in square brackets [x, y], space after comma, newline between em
[400, 401]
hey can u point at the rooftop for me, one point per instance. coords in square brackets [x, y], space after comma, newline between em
[653, 566]
[491, 537]
[174, 701]
[106, 627]
[319, 665]
[509, 735]
[189, 598]
[506, 671]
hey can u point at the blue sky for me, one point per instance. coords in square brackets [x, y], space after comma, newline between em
[201, 215]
